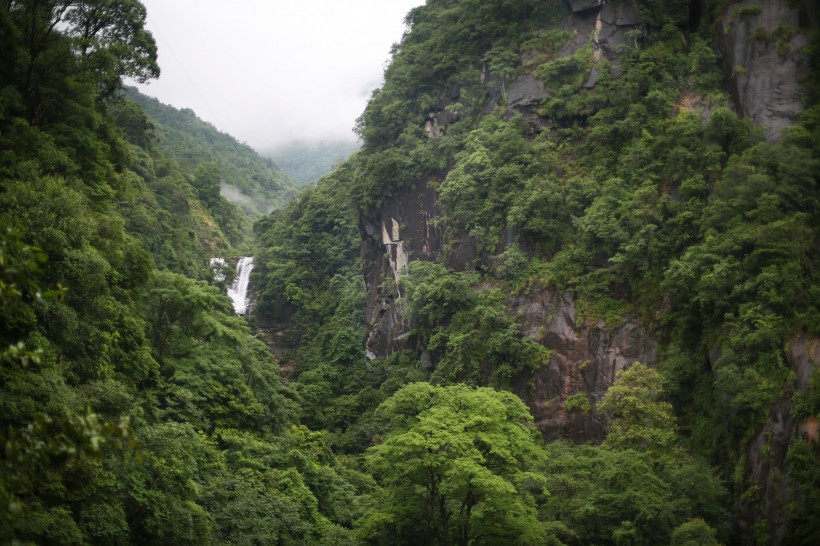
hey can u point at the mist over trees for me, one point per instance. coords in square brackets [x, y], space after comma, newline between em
[308, 161]
[137, 408]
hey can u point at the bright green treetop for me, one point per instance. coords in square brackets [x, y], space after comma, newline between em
[455, 469]
[638, 419]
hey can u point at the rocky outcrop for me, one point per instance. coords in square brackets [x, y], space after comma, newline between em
[607, 21]
[578, 6]
[766, 467]
[526, 91]
[586, 354]
[400, 230]
[762, 44]
[586, 357]
[437, 121]
[614, 21]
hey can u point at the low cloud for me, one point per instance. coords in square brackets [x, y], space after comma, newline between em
[269, 72]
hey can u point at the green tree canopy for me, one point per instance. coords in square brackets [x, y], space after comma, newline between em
[96, 42]
[638, 419]
[455, 466]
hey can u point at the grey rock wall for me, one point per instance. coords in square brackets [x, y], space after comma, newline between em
[586, 357]
[766, 466]
[400, 231]
[762, 44]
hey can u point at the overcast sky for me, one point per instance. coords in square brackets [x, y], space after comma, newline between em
[272, 71]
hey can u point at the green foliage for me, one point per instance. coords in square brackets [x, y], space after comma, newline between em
[638, 487]
[804, 468]
[503, 67]
[130, 397]
[305, 246]
[70, 476]
[112, 41]
[633, 186]
[695, 532]
[247, 180]
[436, 295]
[756, 231]
[19, 285]
[546, 41]
[478, 190]
[511, 263]
[564, 77]
[307, 278]
[608, 496]
[578, 402]
[206, 181]
[644, 192]
[62, 47]
[216, 376]
[455, 467]
[446, 38]
[740, 11]
[641, 193]
[471, 335]
[638, 420]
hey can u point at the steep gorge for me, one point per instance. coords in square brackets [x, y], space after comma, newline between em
[635, 134]
[768, 91]
[566, 293]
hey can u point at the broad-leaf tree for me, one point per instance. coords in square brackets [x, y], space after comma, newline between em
[96, 42]
[455, 469]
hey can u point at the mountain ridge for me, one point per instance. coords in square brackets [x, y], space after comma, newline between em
[550, 193]
[252, 182]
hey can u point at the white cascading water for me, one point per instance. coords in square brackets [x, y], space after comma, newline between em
[238, 292]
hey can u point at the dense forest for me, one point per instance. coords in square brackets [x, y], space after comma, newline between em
[253, 183]
[565, 293]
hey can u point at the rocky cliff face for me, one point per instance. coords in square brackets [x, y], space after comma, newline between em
[766, 469]
[586, 356]
[762, 45]
[609, 21]
[402, 229]
[760, 42]
[586, 353]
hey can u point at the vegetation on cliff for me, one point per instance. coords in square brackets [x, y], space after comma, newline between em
[136, 408]
[254, 184]
[629, 182]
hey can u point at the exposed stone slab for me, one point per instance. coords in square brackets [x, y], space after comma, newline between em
[765, 71]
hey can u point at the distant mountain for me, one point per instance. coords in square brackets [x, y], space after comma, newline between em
[252, 182]
[307, 161]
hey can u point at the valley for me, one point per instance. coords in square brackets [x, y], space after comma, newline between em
[562, 291]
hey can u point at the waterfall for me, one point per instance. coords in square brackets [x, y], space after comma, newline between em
[238, 292]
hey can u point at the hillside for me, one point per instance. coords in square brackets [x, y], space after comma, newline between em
[309, 161]
[566, 292]
[253, 183]
[555, 197]
[135, 406]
